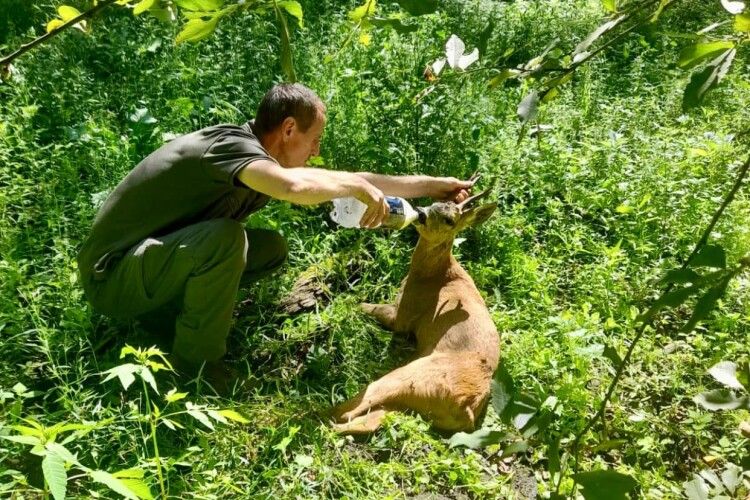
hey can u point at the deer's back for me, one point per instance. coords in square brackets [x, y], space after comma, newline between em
[447, 314]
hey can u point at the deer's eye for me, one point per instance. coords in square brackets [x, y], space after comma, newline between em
[448, 221]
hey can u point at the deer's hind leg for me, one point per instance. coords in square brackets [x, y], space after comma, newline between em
[449, 389]
[385, 314]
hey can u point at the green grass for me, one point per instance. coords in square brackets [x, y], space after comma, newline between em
[590, 217]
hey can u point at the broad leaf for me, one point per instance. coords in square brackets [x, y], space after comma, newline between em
[367, 9]
[672, 299]
[605, 485]
[725, 372]
[143, 6]
[502, 389]
[197, 29]
[395, 24]
[454, 53]
[696, 489]
[706, 304]
[294, 9]
[287, 56]
[233, 415]
[54, 24]
[62, 452]
[742, 22]
[418, 7]
[720, 399]
[114, 484]
[67, 12]
[513, 448]
[32, 440]
[681, 276]
[173, 396]
[124, 372]
[477, 439]
[694, 54]
[609, 5]
[710, 256]
[733, 6]
[553, 455]
[484, 37]
[502, 76]
[706, 79]
[200, 5]
[529, 107]
[200, 417]
[594, 35]
[53, 468]
[731, 477]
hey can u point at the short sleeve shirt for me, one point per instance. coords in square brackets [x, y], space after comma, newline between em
[191, 179]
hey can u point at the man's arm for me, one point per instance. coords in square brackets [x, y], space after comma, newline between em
[310, 186]
[417, 186]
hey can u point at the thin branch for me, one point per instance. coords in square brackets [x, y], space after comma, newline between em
[626, 359]
[5, 61]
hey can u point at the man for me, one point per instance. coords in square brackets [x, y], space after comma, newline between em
[171, 231]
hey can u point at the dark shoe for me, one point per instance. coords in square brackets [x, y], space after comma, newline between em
[221, 377]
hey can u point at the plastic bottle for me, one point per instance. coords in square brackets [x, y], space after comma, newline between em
[347, 212]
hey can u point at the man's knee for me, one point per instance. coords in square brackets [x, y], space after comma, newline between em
[267, 251]
[226, 240]
[279, 249]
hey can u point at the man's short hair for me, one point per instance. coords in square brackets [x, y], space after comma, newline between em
[285, 100]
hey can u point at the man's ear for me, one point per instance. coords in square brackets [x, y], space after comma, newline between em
[476, 216]
[287, 126]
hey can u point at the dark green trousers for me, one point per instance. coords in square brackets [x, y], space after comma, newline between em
[193, 274]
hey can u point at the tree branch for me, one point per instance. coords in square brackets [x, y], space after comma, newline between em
[5, 61]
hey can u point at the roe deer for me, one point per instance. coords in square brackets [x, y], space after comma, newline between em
[458, 347]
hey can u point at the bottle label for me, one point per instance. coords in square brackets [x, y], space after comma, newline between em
[396, 217]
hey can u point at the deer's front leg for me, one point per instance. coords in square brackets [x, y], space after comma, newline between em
[385, 314]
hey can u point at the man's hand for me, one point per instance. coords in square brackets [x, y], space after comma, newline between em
[449, 189]
[377, 207]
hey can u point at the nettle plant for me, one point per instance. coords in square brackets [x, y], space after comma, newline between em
[52, 442]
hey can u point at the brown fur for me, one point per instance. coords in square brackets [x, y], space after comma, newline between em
[458, 346]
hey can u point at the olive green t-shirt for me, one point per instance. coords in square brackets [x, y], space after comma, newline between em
[191, 179]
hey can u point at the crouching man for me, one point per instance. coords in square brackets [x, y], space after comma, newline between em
[170, 236]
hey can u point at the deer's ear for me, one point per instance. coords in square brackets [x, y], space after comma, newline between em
[478, 215]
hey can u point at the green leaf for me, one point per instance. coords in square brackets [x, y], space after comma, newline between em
[114, 484]
[199, 415]
[725, 372]
[146, 375]
[53, 468]
[694, 54]
[521, 410]
[131, 473]
[710, 256]
[477, 439]
[67, 12]
[502, 389]
[733, 6]
[696, 489]
[502, 76]
[173, 395]
[62, 452]
[609, 5]
[395, 24]
[681, 276]
[123, 372]
[200, 5]
[293, 8]
[553, 455]
[233, 415]
[706, 79]
[720, 399]
[287, 56]
[529, 107]
[706, 304]
[143, 6]
[513, 448]
[32, 440]
[54, 24]
[594, 35]
[197, 29]
[605, 485]
[367, 9]
[611, 354]
[419, 7]
[662, 5]
[742, 22]
[484, 37]
[672, 299]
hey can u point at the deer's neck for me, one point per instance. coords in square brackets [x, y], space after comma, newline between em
[431, 258]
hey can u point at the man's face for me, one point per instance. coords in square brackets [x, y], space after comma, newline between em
[300, 146]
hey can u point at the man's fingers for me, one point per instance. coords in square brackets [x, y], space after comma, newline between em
[461, 196]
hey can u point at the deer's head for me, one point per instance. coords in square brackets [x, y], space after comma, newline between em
[443, 220]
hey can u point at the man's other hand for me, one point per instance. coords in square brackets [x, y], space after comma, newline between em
[449, 189]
